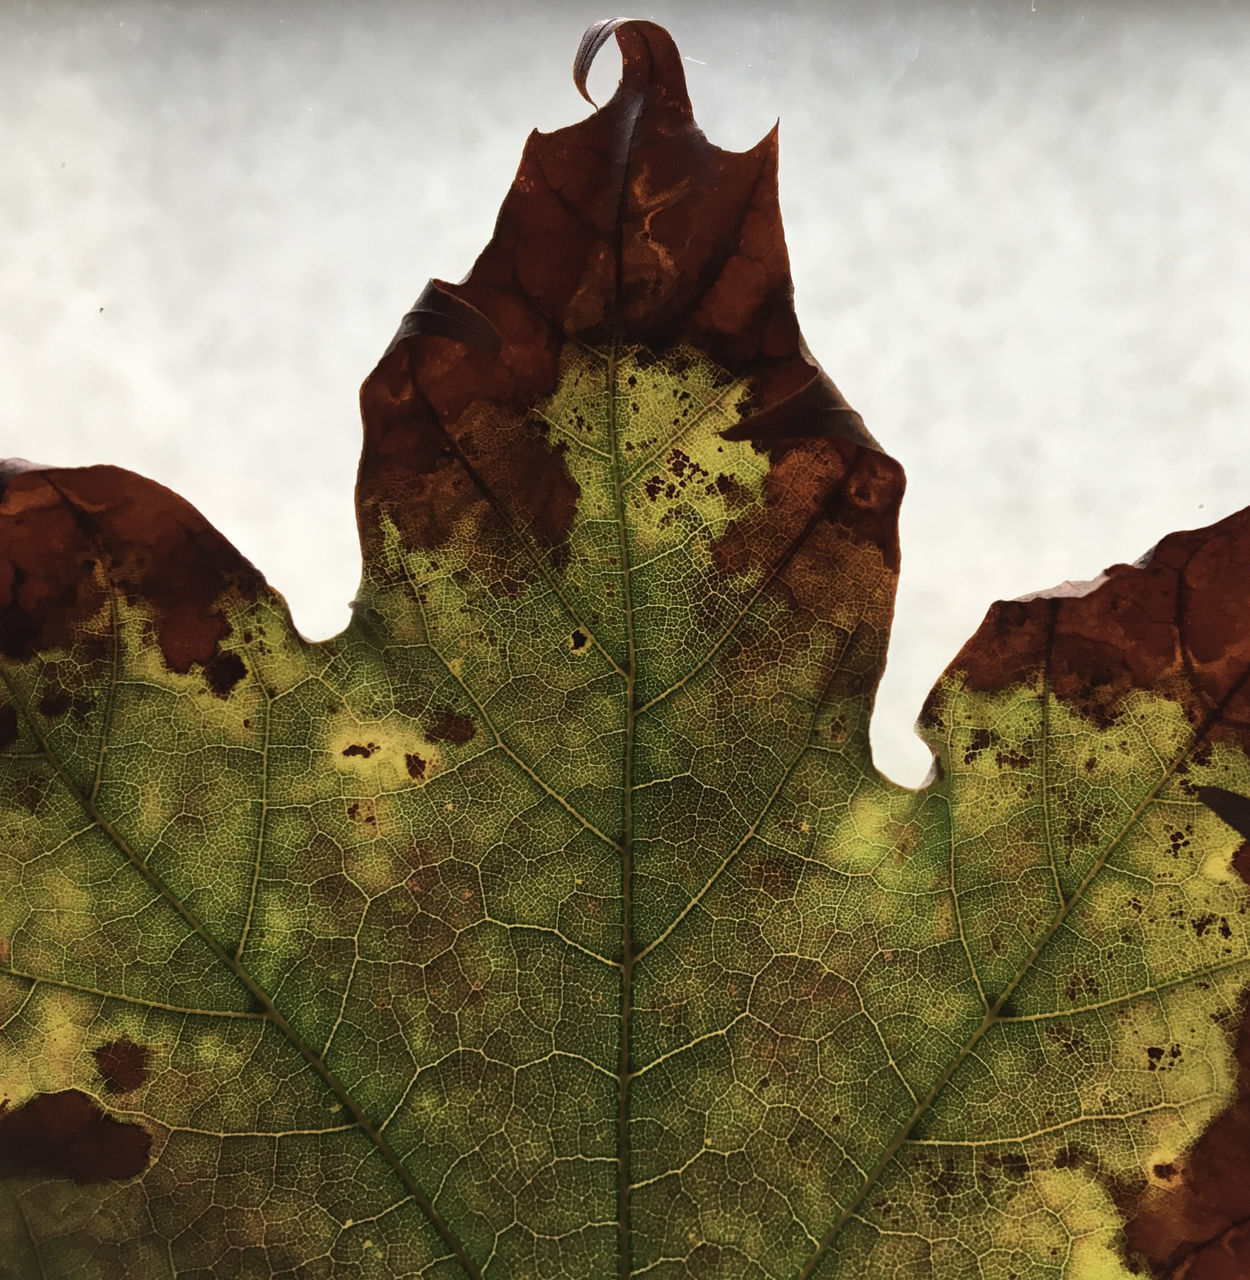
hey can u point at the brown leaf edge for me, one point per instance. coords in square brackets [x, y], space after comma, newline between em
[72, 537]
[1176, 623]
[628, 228]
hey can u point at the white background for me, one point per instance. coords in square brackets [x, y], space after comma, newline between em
[1018, 232]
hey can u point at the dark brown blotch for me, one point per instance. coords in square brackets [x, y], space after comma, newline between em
[54, 703]
[1013, 1165]
[735, 494]
[450, 727]
[362, 811]
[980, 740]
[224, 672]
[415, 765]
[8, 727]
[31, 788]
[731, 552]
[1068, 1038]
[945, 1180]
[362, 749]
[66, 1135]
[123, 1065]
[1081, 985]
[793, 996]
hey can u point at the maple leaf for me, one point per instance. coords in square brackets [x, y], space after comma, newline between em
[552, 920]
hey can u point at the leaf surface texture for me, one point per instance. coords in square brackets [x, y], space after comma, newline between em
[553, 921]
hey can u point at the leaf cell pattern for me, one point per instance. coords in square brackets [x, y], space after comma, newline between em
[553, 921]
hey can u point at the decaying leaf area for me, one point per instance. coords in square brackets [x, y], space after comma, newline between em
[552, 921]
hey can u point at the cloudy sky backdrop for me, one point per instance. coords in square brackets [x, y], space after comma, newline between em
[1018, 232]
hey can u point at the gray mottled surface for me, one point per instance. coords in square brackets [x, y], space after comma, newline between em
[1017, 229]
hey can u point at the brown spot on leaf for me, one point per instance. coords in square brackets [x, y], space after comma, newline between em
[54, 703]
[1013, 1165]
[735, 495]
[449, 439]
[224, 672]
[362, 749]
[980, 740]
[450, 727]
[362, 812]
[946, 1181]
[1075, 1156]
[66, 1135]
[1069, 1039]
[730, 553]
[1081, 985]
[825, 499]
[1241, 862]
[415, 765]
[122, 1065]
[793, 996]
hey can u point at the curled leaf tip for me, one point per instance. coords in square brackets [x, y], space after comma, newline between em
[650, 62]
[593, 39]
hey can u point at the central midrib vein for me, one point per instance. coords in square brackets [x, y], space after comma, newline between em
[624, 1059]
